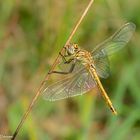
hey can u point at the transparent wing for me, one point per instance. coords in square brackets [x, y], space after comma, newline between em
[117, 41]
[77, 84]
[102, 66]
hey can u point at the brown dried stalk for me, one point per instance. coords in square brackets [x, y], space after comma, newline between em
[47, 75]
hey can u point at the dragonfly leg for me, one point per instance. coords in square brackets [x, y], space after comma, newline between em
[64, 58]
[61, 72]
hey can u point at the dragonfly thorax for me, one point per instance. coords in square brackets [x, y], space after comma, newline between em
[85, 57]
[81, 55]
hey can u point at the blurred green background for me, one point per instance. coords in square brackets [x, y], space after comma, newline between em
[31, 34]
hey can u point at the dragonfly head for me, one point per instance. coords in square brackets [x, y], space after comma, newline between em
[71, 49]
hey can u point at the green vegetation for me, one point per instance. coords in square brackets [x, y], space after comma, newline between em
[31, 35]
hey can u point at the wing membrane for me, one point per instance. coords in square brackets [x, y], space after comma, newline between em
[117, 41]
[102, 66]
[77, 84]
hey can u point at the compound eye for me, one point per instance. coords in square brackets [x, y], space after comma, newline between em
[70, 49]
[75, 46]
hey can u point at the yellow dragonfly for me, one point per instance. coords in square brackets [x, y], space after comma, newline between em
[86, 67]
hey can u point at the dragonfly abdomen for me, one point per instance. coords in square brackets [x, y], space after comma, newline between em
[94, 75]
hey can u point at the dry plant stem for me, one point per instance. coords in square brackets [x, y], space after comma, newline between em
[47, 76]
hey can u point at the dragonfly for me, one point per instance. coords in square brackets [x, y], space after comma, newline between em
[87, 68]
